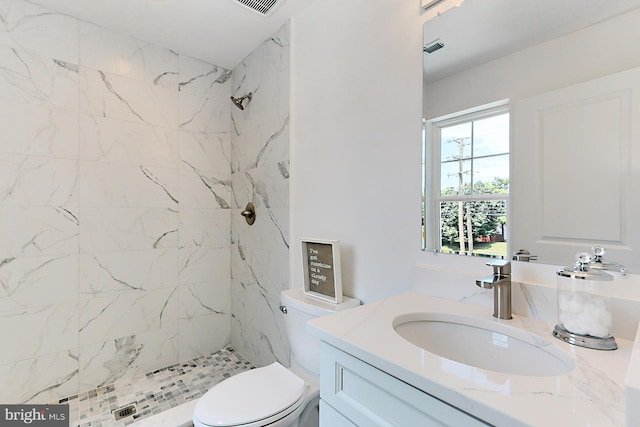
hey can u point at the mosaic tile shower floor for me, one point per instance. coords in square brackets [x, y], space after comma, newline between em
[154, 392]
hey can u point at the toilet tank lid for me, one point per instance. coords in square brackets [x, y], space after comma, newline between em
[296, 298]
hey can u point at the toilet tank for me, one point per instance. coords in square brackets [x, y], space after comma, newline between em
[305, 348]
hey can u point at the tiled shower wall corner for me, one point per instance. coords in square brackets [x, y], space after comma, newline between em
[115, 205]
[260, 173]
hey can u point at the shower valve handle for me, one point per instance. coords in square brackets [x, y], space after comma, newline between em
[249, 213]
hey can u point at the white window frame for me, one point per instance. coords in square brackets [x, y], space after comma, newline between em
[431, 174]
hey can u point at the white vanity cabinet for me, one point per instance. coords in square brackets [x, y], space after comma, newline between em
[354, 393]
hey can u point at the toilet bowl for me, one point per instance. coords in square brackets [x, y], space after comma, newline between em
[273, 395]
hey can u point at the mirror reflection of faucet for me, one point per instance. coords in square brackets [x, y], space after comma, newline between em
[500, 282]
[523, 255]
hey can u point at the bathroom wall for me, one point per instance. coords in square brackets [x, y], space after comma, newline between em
[260, 173]
[356, 109]
[356, 103]
[115, 205]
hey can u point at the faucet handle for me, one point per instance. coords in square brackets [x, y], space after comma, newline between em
[501, 267]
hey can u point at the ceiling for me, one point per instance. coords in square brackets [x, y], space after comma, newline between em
[220, 32]
[479, 31]
[223, 32]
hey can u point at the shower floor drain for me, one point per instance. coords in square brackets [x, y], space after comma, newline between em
[125, 411]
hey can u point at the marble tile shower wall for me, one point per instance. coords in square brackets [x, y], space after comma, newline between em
[260, 173]
[115, 204]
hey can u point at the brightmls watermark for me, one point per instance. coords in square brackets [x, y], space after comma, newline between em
[34, 415]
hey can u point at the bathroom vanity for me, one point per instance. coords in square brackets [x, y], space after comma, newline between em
[357, 393]
[376, 372]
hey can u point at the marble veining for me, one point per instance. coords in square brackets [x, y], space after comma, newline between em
[534, 290]
[52, 132]
[114, 92]
[204, 151]
[22, 174]
[205, 81]
[35, 29]
[26, 281]
[260, 150]
[115, 212]
[109, 140]
[136, 59]
[37, 79]
[120, 198]
[590, 394]
[124, 98]
[108, 272]
[210, 186]
[204, 113]
[122, 358]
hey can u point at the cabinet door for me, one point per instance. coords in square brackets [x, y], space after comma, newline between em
[329, 417]
[370, 397]
[574, 170]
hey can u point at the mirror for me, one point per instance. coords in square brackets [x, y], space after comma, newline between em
[528, 52]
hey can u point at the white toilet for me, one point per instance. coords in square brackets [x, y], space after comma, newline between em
[273, 395]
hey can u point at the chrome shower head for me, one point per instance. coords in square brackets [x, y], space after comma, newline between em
[238, 101]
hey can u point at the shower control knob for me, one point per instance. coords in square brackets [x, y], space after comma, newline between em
[283, 309]
[249, 213]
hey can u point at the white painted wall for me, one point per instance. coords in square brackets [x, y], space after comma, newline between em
[355, 151]
[356, 111]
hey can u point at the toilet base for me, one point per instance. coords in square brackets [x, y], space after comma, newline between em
[310, 416]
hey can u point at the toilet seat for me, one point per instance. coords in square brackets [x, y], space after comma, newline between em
[253, 398]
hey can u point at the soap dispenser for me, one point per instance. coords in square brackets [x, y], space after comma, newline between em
[584, 305]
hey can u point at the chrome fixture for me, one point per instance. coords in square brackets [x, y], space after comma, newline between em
[585, 341]
[249, 213]
[124, 412]
[585, 317]
[523, 255]
[500, 282]
[238, 101]
[599, 263]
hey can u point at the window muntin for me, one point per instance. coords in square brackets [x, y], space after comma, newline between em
[471, 185]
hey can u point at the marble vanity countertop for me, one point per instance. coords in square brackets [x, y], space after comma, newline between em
[592, 394]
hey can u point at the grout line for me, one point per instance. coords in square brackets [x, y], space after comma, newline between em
[154, 392]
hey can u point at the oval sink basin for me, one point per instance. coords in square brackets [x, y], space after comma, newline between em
[483, 344]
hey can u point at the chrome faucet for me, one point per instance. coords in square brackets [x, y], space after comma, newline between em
[500, 282]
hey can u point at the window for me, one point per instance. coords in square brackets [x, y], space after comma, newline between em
[466, 179]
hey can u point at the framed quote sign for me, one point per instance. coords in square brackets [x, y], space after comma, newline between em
[321, 264]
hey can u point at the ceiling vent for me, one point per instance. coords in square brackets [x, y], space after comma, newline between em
[263, 7]
[433, 46]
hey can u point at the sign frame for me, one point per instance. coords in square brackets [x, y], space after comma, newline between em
[332, 292]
